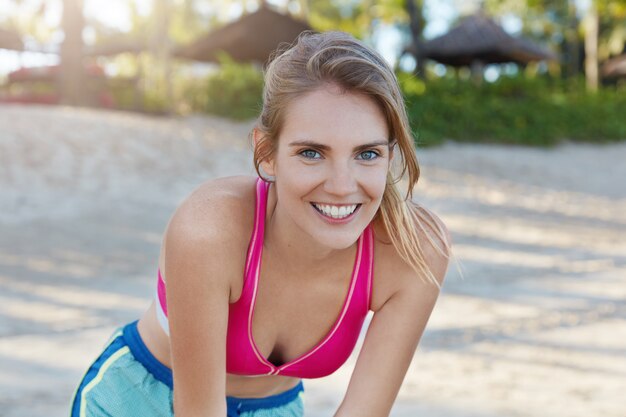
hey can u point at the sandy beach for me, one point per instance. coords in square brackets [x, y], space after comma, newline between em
[531, 321]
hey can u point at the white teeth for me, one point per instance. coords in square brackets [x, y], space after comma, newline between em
[336, 212]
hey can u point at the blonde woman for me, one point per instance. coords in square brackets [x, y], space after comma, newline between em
[263, 282]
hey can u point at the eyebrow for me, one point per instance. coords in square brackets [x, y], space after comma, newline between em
[313, 144]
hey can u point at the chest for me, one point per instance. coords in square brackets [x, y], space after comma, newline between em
[292, 314]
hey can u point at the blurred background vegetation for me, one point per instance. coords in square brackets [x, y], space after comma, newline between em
[532, 72]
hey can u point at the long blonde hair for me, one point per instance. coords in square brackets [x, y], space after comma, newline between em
[337, 58]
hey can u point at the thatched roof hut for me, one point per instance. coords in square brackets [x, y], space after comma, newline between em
[253, 37]
[479, 38]
[614, 67]
[116, 46]
[10, 40]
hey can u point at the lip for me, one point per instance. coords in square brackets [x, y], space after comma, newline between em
[338, 221]
[334, 204]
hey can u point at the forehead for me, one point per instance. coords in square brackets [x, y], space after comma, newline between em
[329, 115]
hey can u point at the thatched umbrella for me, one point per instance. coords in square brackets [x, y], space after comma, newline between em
[10, 40]
[477, 38]
[253, 37]
[615, 67]
[116, 46]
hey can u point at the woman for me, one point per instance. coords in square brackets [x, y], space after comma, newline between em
[264, 282]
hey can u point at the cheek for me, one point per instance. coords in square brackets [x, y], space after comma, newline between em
[377, 192]
[374, 180]
[293, 175]
[293, 183]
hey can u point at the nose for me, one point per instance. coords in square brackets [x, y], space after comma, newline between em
[340, 180]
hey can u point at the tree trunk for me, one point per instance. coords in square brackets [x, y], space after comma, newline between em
[591, 47]
[573, 40]
[477, 72]
[71, 73]
[416, 24]
[161, 51]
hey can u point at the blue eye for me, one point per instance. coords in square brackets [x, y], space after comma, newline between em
[310, 154]
[368, 155]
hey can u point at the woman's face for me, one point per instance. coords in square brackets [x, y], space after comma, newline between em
[330, 165]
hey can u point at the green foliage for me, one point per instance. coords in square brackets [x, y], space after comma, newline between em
[559, 25]
[536, 112]
[155, 101]
[234, 91]
[355, 17]
[124, 95]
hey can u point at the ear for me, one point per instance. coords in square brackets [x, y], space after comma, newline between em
[261, 141]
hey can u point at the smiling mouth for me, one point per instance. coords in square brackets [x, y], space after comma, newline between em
[336, 212]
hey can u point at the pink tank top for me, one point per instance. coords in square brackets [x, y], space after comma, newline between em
[242, 354]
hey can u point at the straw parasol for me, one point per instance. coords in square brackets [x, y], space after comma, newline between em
[479, 38]
[116, 46]
[253, 37]
[615, 67]
[10, 40]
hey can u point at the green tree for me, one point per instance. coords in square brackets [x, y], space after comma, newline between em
[358, 18]
[417, 22]
[29, 18]
[612, 27]
[578, 36]
[552, 22]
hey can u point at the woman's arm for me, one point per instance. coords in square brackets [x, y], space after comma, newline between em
[392, 338]
[197, 268]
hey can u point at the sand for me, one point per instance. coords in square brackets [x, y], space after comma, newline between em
[535, 327]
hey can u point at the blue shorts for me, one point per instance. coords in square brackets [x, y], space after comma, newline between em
[126, 380]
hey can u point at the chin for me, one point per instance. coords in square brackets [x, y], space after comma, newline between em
[338, 236]
[337, 241]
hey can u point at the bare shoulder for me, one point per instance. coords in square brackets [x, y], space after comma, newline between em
[217, 207]
[218, 214]
[394, 275]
